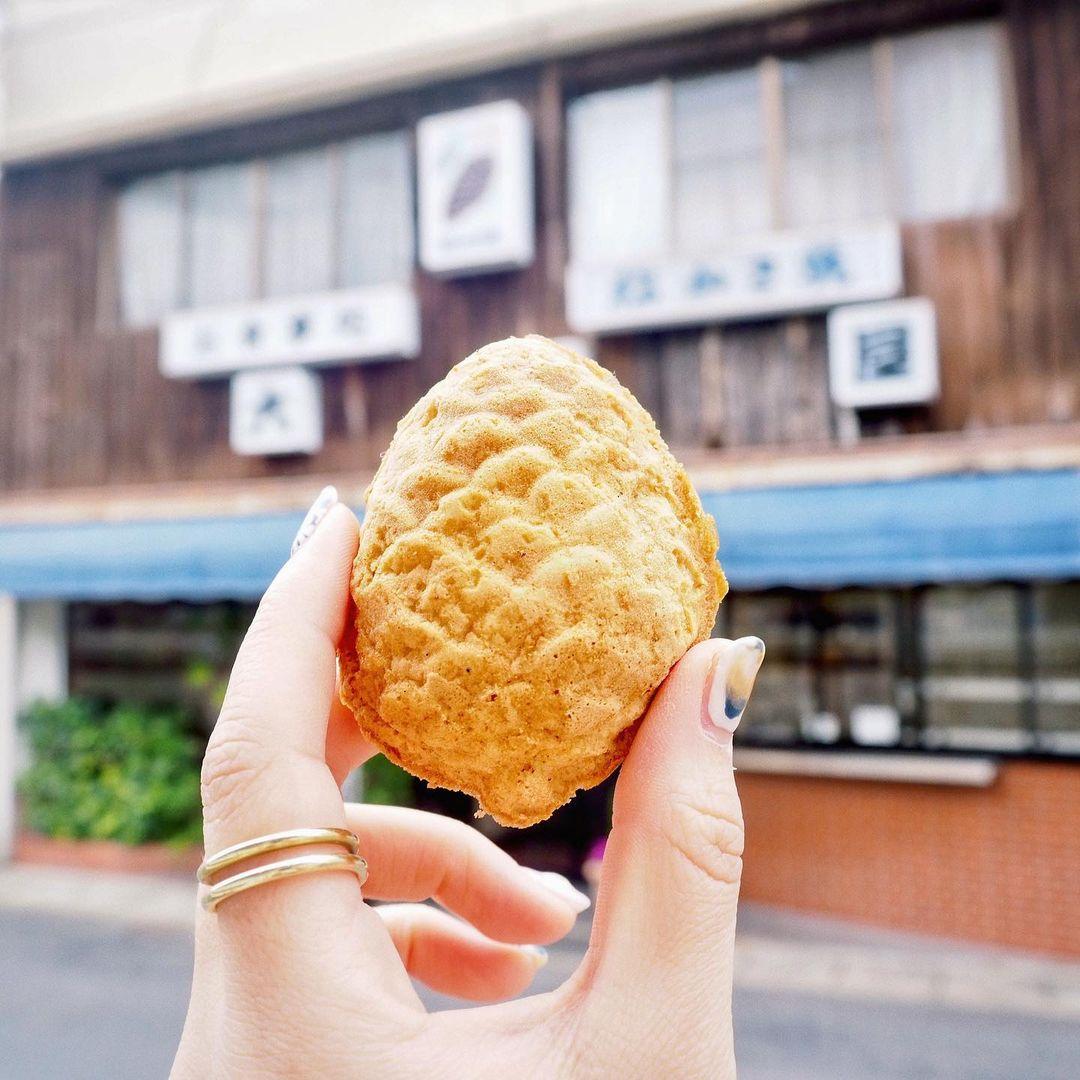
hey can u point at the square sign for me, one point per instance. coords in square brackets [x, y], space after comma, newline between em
[883, 354]
[276, 411]
[475, 179]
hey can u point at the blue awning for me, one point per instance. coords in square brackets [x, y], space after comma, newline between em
[978, 527]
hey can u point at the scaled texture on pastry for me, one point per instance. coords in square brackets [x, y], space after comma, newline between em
[532, 563]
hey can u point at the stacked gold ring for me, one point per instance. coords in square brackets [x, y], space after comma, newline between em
[348, 860]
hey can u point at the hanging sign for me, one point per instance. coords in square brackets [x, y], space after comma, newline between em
[883, 354]
[276, 411]
[375, 323]
[475, 180]
[782, 272]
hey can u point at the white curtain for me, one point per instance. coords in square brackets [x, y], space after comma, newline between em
[721, 181]
[298, 237]
[222, 234]
[377, 229]
[950, 122]
[619, 190]
[150, 227]
[834, 168]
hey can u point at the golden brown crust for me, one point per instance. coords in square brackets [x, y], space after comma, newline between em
[533, 562]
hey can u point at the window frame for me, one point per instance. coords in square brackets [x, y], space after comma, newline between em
[769, 68]
[110, 290]
[908, 673]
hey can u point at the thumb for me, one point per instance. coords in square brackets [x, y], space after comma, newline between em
[665, 920]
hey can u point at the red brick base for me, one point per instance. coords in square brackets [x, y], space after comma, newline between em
[998, 864]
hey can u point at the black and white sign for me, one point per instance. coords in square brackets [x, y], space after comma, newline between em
[475, 179]
[276, 411]
[378, 322]
[883, 354]
[792, 271]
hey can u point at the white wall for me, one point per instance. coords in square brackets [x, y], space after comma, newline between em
[33, 665]
[86, 73]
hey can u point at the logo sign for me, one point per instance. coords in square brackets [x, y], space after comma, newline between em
[883, 354]
[783, 272]
[380, 322]
[475, 178]
[275, 411]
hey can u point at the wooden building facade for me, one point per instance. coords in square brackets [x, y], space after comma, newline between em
[92, 432]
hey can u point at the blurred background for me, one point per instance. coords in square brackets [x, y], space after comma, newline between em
[834, 248]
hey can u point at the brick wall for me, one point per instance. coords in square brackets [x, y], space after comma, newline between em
[998, 864]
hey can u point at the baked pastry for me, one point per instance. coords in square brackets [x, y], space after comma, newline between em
[533, 561]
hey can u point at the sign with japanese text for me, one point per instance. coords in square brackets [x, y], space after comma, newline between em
[276, 411]
[475, 182]
[883, 354]
[350, 325]
[808, 270]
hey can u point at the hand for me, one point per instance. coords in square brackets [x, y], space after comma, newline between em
[301, 978]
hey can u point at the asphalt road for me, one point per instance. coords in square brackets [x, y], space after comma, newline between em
[82, 1000]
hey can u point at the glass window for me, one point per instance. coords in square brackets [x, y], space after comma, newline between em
[618, 174]
[720, 178]
[377, 240]
[973, 689]
[949, 121]
[1056, 643]
[834, 166]
[222, 202]
[298, 234]
[784, 707]
[151, 238]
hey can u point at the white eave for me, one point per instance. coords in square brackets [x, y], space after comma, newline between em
[111, 72]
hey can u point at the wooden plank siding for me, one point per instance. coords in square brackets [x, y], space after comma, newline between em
[82, 402]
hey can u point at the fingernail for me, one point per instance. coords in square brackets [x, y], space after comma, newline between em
[323, 504]
[561, 887]
[728, 687]
[537, 953]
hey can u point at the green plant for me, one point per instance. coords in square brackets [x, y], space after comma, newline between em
[387, 783]
[128, 773]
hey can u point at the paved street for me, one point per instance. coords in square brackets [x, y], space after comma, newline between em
[90, 999]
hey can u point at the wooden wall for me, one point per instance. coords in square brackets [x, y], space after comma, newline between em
[82, 403]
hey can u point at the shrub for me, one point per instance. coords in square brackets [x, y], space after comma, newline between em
[128, 773]
[387, 783]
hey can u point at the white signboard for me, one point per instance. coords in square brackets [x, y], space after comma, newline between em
[276, 411]
[808, 270]
[378, 322]
[883, 354]
[475, 178]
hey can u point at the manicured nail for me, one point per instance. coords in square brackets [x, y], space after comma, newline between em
[728, 687]
[323, 504]
[537, 953]
[562, 888]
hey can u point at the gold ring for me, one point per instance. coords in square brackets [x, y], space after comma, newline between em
[286, 868]
[274, 842]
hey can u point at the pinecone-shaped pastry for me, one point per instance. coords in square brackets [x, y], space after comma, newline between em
[533, 561]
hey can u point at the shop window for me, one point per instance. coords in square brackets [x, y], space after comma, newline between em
[973, 686]
[721, 186]
[377, 241]
[332, 217]
[914, 127]
[949, 122]
[1056, 653]
[298, 238]
[221, 223]
[834, 161]
[150, 226]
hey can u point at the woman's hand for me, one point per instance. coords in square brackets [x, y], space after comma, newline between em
[301, 978]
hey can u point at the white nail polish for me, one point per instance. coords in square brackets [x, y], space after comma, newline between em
[562, 888]
[323, 504]
[729, 684]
